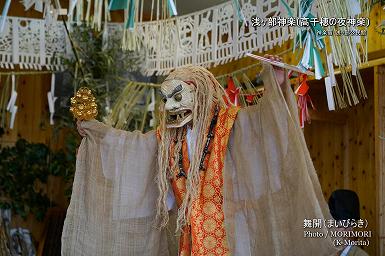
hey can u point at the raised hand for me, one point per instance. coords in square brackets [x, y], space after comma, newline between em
[81, 131]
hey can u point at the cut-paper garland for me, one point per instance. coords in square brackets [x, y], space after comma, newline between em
[33, 44]
[167, 44]
[185, 40]
[207, 38]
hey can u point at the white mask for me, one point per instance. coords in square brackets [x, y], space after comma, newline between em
[178, 97]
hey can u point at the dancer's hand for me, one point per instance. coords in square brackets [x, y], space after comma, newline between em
[81, 131]
[279, 72]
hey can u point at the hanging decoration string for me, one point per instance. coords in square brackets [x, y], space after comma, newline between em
[4, 14]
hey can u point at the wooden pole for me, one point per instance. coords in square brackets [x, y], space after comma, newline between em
[379, 128]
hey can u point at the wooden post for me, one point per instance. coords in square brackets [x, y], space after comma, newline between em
[379, 128]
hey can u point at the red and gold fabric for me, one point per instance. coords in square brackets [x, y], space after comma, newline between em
[206, 234]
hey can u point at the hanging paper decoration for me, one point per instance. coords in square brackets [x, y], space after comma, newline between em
[131, 7]
[4, 14]
[345, 49]
[72, 6]
[80, 11]
[50, 8]
[307, 37]
[151, 107]
[51, 99]
[209, 37]
[329, 93]
[11, 107]
[238, 10]
[232, 91]
[118, 5]
[172, 8]
[303, 99]
[250, 98]
[253, 94]
[329, 25]
[171, 43]
[129, 41]
[303, 87]
[42, 50]
[131, 15]
[167, 43]
[247, 93]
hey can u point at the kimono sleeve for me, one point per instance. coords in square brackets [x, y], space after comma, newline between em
[113, 203]
[270, 184]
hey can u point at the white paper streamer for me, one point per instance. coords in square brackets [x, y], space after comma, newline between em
[72, 7]
[12, 100]
[173, 7]
[354, 66]
[11, 107]
[329, 93]
[51, 99]
[13, 116]
[354, 7]
[39, 6]
[151, 107]
[28, 4]
[306, 53]
[317, 66]
[355, 41]
[4, 15]
[332, 77]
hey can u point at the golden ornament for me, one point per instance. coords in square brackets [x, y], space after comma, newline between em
[83, 105]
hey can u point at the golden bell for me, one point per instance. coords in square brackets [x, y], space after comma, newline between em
[83, 105]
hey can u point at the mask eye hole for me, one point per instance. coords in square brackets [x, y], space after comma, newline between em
[178, 97]
[164, 100]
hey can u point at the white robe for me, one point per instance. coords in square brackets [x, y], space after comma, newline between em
[270, 187]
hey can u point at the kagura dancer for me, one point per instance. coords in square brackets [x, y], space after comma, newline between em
[242, 179]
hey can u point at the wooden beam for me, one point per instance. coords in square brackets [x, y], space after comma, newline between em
[379, 131]
[328, 116]
[369, 64]
[376, 54]
[373, 63]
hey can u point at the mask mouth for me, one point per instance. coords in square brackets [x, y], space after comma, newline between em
[178, 118]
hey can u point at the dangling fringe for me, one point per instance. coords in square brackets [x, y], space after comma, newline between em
[95, 21]
[338, 98]
[304, 115]
[361, 88]
[348, 87]
[345, 49]
[130, 40]
[253, 95]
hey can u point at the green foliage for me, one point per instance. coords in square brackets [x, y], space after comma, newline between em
[104, 68]
[24, 170]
